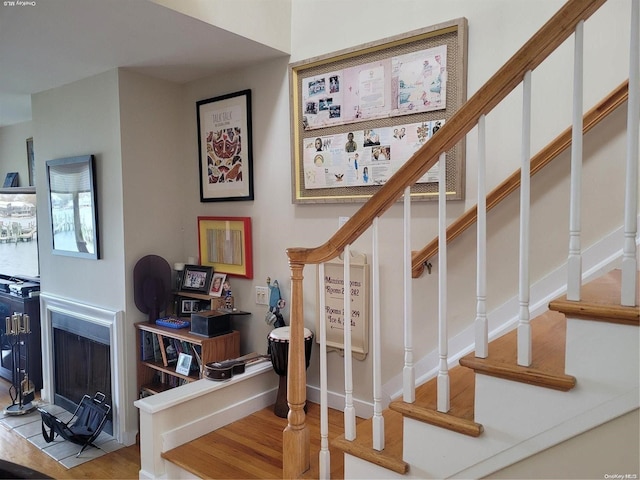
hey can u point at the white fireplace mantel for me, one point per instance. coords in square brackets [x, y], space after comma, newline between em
[113, 320]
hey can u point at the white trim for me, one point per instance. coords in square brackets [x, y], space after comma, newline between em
[111, 319]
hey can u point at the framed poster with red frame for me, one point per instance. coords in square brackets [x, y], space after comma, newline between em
[225, 244]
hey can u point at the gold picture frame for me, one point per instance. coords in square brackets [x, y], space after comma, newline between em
[323, 108]
[225, 244]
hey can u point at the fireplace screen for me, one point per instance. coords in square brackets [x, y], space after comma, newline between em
[82, 366]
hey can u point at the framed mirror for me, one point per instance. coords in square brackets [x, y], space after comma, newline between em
[73, 208]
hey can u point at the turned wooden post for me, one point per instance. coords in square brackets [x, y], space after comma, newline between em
[295, 438]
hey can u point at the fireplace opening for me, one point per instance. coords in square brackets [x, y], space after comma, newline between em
[81, 362]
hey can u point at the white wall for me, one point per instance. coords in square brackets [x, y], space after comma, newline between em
[13, 151]
[246, 18]
[152, 188]
[77, 119]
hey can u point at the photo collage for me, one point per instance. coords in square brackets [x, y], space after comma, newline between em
[364, 157]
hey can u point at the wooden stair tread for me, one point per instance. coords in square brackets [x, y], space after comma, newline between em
[547, 362]
[362, 447]
[600, 300]
[459, 418]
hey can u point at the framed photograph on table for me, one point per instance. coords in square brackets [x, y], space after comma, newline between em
[184, 364]
[197, 278]
[217, 283]
[225, 147]
[225, 244]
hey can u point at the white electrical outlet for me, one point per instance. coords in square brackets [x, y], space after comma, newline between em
[262, 295]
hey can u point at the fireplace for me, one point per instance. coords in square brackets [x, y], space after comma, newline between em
[82, 349]
[81, 361]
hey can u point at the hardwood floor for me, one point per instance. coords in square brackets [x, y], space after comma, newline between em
[252, 447]
[229, 452]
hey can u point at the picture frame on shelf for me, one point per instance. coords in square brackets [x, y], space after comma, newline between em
[224, 243]
[184, 364]
[225, 147]
[73, 206]
[187, 306]
[217, 284]
[197, 278]
[11, 180]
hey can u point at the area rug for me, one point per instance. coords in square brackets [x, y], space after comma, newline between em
[29, 426]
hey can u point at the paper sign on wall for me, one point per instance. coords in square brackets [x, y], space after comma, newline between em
[333, 288]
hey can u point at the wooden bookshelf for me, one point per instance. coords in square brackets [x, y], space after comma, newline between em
[157, 373]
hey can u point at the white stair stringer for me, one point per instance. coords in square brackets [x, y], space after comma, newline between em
[521, 420]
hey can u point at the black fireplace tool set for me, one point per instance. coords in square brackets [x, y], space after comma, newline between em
[22, 390]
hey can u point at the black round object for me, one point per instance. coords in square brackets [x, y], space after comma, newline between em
[151, 285]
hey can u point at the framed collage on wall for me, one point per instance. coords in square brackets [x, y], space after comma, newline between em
[359, 114]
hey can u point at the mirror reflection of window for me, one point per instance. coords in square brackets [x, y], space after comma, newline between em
[73, 213]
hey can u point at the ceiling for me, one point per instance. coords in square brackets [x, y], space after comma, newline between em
[55, 42]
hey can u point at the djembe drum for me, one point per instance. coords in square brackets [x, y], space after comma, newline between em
[279, 351]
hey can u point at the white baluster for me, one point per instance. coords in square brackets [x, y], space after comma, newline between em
[524, 326]
[324, 456]
[408, 373]
[443, 370]
[574, 265]
[378, 419]
[481, 326]
[349, 410]
[630, 254]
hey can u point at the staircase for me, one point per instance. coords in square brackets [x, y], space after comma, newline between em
[494, 419]
[552, 377]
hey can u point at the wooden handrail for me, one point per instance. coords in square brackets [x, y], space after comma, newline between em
[558, 145]
[295, 455]
[550, 36]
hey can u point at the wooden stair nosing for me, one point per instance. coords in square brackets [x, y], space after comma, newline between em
[376, 457]
[596, 311]
[438, 419]
[519, 373]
